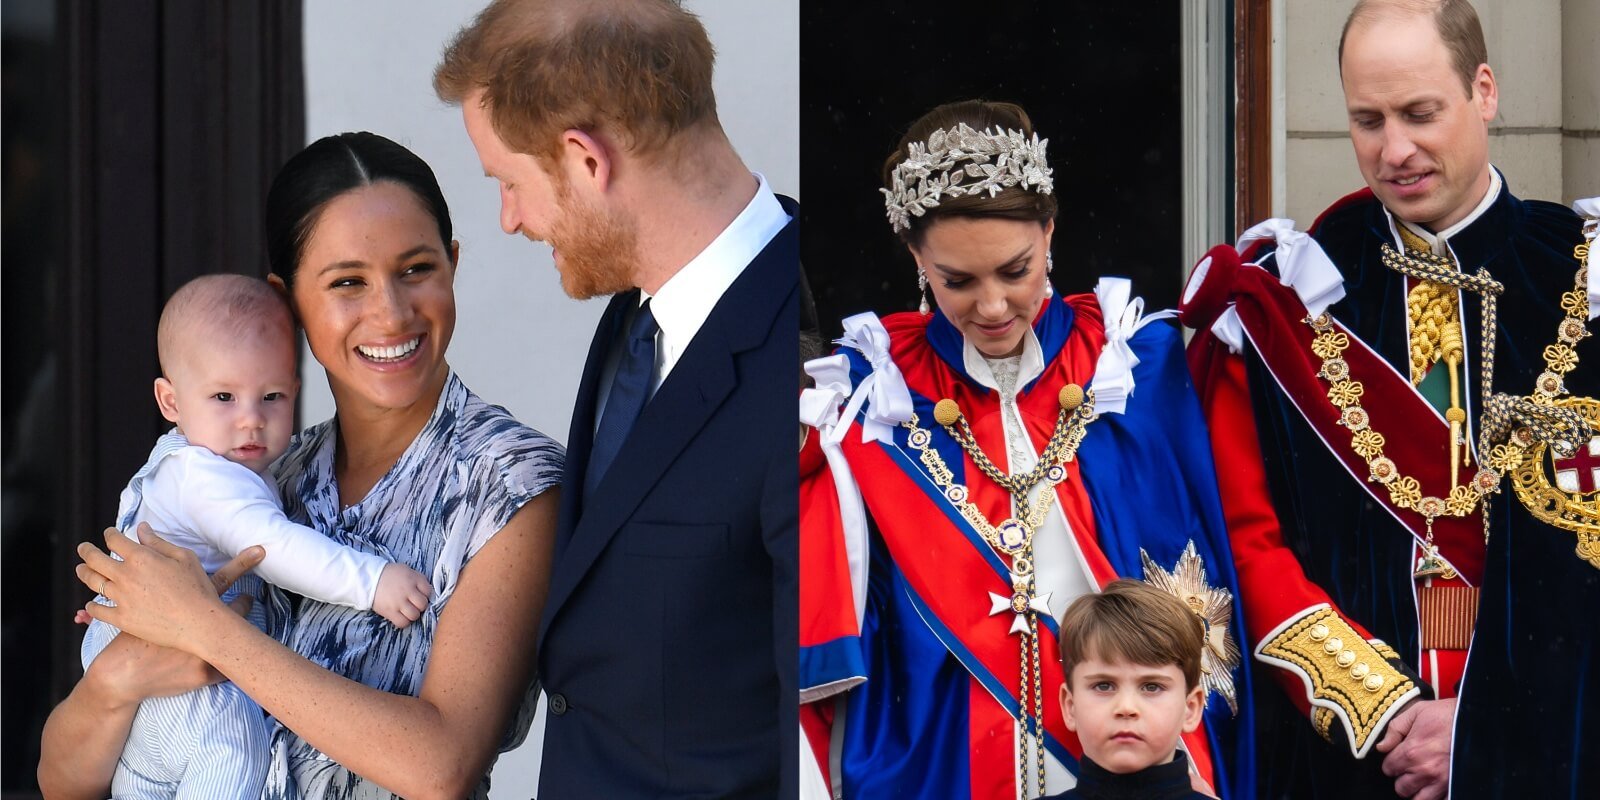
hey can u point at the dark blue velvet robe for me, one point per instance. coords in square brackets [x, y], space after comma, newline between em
[1529, 709]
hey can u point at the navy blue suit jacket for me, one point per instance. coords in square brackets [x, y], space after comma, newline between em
[667, 647]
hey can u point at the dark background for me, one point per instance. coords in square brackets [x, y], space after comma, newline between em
[1099, 80]
[139, 138]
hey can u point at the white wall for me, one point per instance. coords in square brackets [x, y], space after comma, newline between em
[519, 341]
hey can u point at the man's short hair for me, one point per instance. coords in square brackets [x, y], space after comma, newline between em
[222, 309]
[639, 69]
[1455, 20]
[1135, 622]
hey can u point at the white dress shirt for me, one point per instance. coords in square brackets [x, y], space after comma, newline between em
[682, 304]
[1440, 242]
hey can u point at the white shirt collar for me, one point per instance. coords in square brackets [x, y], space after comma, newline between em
[977, 365]
[1439, 242]
[683, 303]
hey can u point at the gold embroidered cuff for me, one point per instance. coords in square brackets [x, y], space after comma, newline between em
[1347, 678]
[1322, 720]
[1388, 653]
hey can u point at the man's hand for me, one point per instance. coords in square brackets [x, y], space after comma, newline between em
[1417, 741]
[402, 595]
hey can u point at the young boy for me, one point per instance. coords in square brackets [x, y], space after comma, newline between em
[1131, 655]
[227, 350]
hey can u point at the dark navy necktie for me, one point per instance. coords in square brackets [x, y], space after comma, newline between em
[630, 388]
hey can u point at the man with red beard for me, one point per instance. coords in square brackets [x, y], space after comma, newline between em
[1406, 374]
[666, 648]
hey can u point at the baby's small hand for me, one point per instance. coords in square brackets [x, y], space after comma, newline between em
[402, 595]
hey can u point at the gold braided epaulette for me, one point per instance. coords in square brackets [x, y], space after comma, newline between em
[1348, 677]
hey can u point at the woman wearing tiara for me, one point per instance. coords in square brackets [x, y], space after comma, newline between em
[974, 467]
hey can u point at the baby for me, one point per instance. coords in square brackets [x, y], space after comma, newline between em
[1131, 655]
[227, 349]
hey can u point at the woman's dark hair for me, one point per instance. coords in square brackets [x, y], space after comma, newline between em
[329, 167]
[1015, 202]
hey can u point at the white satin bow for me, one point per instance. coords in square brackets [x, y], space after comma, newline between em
[1302, 264]
[1589, 209]
[1124, 315]
[819, 404]
[884, 392]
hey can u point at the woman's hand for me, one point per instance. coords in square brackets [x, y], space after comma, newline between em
[162, 593]
[85, 734]
[132, 669]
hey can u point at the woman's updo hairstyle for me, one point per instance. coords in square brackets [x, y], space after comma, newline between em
[329, 167]
[1015, 202]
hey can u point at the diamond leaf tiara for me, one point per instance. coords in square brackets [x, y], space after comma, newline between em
[998, 158]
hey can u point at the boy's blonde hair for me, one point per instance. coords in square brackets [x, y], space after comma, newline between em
[1135, 622]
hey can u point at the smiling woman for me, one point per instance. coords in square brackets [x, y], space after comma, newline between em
[1004, 462]
[376, 300]
[414, 467]
[990, 300]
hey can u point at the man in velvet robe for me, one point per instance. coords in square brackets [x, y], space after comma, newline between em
[1409, 659]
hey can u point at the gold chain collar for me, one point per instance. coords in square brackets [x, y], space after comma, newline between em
[1405, 491]
[1546, 418]
[1013, 537]
[1550, 418]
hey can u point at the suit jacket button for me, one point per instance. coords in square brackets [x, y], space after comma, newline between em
[558, 704]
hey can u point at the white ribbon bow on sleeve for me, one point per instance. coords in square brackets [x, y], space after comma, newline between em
[888, 403]
[1124, 316]
[884, 392]
[819, 405]
[1302, 266]
[1589, 209]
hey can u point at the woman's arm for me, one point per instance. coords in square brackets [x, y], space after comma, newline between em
[435, 745]
[85, 733]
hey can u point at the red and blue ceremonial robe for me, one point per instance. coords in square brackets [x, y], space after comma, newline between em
[909, 684]
[1321, 548]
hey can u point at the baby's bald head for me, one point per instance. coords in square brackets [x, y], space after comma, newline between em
[218, 313]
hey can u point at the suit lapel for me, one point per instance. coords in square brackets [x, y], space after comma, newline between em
[698, 384]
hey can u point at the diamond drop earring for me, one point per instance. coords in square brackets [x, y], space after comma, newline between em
[922, 288]
[1049, 267]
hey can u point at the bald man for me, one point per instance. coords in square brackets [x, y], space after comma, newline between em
[1376, 391]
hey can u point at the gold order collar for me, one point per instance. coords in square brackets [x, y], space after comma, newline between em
[1522, 455]
[1404, 491]
[1013, 537]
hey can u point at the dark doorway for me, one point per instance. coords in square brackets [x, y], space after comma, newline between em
[1100, 81]
[140, 137]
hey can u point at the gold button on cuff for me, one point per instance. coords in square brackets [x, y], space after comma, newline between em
[1319, 632]
[1373, 683]
[1333, 645]
[1346, 658]
[1360, 671]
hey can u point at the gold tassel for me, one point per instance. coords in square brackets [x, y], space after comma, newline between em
[1450, 342]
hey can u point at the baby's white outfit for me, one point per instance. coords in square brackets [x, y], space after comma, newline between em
[212, 742]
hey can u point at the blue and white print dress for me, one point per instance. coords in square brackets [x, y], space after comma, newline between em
[469, 470]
